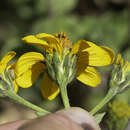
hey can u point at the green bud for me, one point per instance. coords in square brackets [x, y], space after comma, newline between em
[118, 115]
[120, 75]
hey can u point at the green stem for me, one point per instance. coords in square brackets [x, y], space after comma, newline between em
[21, 100]
[111, 93]
[64, 96]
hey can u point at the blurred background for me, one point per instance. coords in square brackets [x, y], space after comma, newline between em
[104, 22]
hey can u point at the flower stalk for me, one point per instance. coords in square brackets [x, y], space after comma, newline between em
[111, 93]
[24, 102]
[118, 83]
[64, 96]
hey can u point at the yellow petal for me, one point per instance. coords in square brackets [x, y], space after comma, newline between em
[8, 57]
[5, 60]
[51, 40]
[30, 76]
[26, 61]
[11, 66]
[110, 51]
[96, 55]
[15, 86]
[79, 46]
[80, 68]
[2, 67]
[49, 89]
[126, 67]
[119, 60]
[47, 37]
[32, 39]
[90, 77]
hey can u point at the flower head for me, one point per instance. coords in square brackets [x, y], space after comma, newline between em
[62, 62]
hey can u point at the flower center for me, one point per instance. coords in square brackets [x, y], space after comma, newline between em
[64, 41]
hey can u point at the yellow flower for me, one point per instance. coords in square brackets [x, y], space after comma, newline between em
[4, 67]
[88, 55]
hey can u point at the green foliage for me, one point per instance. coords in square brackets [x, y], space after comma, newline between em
[41, 6]
[127, 54]
[110, 28]
[61, 7]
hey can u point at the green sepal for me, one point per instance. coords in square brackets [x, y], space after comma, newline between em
[66, 64]
[9, 80]
[73, 68]
[3, 87]
[49, 66]
[57, 67]
[98, 117]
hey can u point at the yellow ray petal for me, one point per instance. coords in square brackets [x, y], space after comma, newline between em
[8, 57]
[126, 67]
[11, 66]
[90, 77]
[30, 76]
[5, 60]
[79, 46]
[48, 37]
[96, 55]
[15, 86]
[32, 39]
[119, 60]
[51, 40]
[49, 89]
[80, 68]
[26, 61]
[110, 51]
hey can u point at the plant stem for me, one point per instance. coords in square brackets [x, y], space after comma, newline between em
[64, 96]
[21, 100]
[111, 93]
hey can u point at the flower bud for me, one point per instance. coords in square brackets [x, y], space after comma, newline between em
[120, 74]
[118, 115]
